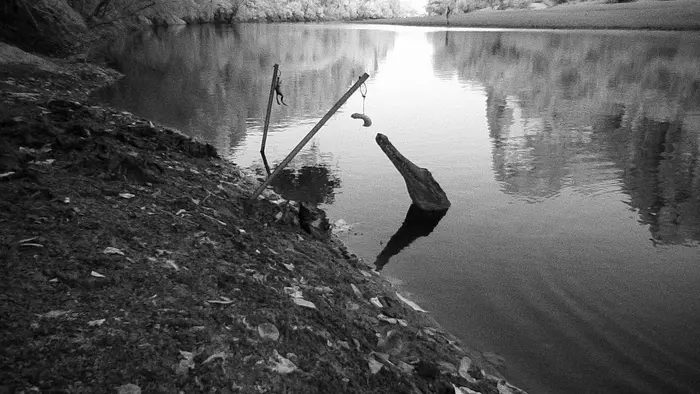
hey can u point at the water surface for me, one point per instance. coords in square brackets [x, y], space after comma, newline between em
[571, 160]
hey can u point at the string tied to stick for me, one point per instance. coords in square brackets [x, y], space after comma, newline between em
[366, 119]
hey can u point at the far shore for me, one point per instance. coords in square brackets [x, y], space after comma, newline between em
[642, 15]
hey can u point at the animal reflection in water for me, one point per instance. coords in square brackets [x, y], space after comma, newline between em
[418, 223]
[430, 203]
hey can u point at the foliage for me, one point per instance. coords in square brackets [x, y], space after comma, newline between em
[440, 7]
[436, 7]
[41, 25]
[111, 10]
[312, 10]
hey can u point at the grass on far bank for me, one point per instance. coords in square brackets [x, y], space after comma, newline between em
[648, 14]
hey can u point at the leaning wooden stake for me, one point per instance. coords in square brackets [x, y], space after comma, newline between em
[269, 107]
[310, 135]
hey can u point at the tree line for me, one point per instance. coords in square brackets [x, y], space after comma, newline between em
[441, 7]
[204, 11]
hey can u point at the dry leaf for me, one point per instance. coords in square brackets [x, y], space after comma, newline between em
[93, 323]
[507, 388]
[304, 303]
[280, 364]
[374, 365]
[457, 389]
[171, 264]
[464, 365]
[387, 319]
[221, 355]
[186, 364]
[111, 250]
[356, 290]
[224, 301]
[405, 368]
[410, 303]
[293, 292]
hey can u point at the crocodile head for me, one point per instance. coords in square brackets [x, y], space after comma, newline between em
[423, 189]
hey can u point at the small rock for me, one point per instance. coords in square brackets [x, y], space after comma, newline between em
[268, 331]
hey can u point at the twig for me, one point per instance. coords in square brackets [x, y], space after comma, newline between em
[29, 12]
[213, 218]
[173, 215]
[209, 194]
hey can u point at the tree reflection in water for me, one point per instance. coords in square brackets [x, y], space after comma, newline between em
[585, 113]
[314, 184]
[309, 178]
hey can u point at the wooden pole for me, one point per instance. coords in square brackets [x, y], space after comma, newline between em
[269, 107]
[310, 135]
[267, 166]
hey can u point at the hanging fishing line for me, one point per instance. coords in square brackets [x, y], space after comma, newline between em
[366, 120]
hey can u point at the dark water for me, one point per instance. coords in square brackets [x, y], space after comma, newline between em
[572, 160]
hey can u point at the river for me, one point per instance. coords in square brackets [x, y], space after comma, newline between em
[571, 158]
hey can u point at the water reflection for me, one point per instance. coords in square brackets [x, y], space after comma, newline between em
[661, 175]
[418, 223]
[213, 82]
[581, 112]
[571, 123]
[309, 178]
